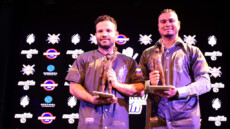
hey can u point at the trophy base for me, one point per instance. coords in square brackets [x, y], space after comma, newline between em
[103, 95]
[159, 87]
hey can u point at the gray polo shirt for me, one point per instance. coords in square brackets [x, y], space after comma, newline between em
[86, 71]
[185, 68]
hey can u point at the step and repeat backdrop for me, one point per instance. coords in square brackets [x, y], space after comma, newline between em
[52, 37]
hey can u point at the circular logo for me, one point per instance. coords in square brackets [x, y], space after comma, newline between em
[48, 99]
[46, 118]
[49, 85]
[50, 68]
[51, 53]
[121, 39]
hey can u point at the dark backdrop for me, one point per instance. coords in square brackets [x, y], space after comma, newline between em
[20, 18]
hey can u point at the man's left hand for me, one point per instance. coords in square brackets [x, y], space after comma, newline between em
[166, 94]
[112, 77]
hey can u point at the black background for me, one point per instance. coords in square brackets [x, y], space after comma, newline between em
[20, 18]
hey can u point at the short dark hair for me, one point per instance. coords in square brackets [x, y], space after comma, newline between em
[105, 18]
[168, 11]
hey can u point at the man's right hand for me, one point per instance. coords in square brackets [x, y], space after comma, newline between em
[154, 77]
[96, 100]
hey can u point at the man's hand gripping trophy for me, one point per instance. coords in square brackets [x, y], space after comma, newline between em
[156, 62]
[106, 65]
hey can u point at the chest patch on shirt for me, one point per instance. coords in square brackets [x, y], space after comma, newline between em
[122, 72]
[91, 64]
[74, 68]
[179, 64]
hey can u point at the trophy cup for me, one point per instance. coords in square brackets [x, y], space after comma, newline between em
[106, 65]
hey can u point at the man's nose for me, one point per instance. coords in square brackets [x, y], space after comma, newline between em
[168, 23]
[104, 33]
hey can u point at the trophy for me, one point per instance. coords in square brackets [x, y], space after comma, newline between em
[153, 100]
[106, 65]
[156, 62]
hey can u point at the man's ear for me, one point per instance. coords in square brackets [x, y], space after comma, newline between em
[117, 33]
[179, 24]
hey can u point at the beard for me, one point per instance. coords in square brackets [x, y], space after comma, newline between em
[168, 35]
[105, 46]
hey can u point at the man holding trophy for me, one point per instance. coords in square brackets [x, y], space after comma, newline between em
[178, 74]
[103, 80]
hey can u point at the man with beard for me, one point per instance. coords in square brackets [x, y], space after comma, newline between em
[186, 73]
[85, 77]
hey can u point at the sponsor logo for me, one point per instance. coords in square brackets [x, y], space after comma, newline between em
[53, 38]
[66, 84]
[49, 85]
[26, 84]
[93, 39]
[29, 53]
[70, 117]
[145, 39]
[216, 103]
[136, 103]
[30, 38]
[47, 118]
[121, 39]
[212, 40]
[72, 101]
[129, 52]
[50, 69]
[51, 53]
[48, 104]
[75, 39]
[24, 101]
[74, 53]
[28, 70]
[215, 72]
[216, 87]
[23, 117]
[213, 55]
[217, 119]
[190, 40]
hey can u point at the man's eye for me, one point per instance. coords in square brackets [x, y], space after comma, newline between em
[171, 20]
[163, 21]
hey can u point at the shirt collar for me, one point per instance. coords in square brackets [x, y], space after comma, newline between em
[179, 42]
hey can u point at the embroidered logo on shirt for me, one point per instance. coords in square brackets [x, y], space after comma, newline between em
[201, 62]
[179, 64]
[74, 69]
[122, 74]
[138, 72]
[119, 123]
[89, 120]
[91, 64]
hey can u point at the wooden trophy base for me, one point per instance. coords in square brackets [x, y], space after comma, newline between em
[103, 95]
[159, 87]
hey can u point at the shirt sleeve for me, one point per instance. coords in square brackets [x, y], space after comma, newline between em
[143, 65]
[200, 69]
[76, 73]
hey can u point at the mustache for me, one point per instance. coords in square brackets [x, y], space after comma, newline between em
[104, 39]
